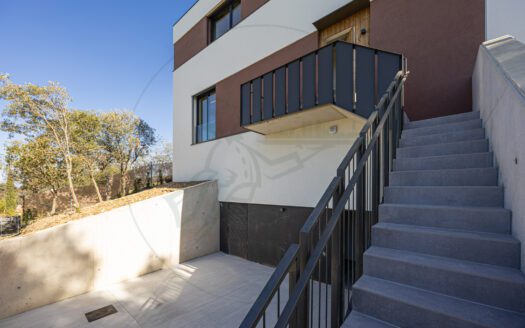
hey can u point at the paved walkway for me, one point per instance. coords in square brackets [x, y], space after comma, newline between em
[212, 291]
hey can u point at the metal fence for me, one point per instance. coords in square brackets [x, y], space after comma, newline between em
[350, 76]
[10, 225]
[150, 175]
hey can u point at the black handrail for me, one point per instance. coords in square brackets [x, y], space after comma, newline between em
[350, 206]
[272, 287]
[330, 230]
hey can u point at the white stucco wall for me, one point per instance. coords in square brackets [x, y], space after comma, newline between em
[499, 94]
[505, 17]
[290, 168]
[71, 259]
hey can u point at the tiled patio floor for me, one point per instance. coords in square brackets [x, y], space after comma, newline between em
[212, 291]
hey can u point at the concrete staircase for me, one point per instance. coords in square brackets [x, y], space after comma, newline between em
[442, 254]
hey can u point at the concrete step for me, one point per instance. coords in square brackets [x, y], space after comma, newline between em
[457, 177]
[442, 128]
[443, 138]
[487, 284]
[443, 120]
[460, 147]
[359, 320]
[484, 219]
[482, 196]
[456, 161]
[481, 247]
[410, 307]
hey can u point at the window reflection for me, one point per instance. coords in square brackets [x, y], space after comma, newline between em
[205, 120]
[225, 18]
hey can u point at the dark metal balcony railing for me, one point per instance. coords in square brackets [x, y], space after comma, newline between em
[344, 74]
[328, 260]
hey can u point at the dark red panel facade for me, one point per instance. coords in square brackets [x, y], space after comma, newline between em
[229, 90]
[191, 43]
[440, 40]
[249, 6]
[196, 39]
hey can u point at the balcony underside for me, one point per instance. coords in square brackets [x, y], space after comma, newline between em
[303, 118]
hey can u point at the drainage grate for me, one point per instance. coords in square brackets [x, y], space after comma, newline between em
[100, 313]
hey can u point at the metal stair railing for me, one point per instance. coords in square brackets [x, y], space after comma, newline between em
[322, 269]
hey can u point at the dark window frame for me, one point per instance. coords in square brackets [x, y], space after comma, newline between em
[227, 8]
[198, 116]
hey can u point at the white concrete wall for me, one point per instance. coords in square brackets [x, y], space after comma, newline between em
[499, 93]
[505, 17]
[87, 254]
[290, 168]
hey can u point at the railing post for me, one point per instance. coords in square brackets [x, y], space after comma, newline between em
[391, 140]
[385, 145]
[302, 310]
[293, 276]
[402, 96]
[360, 213]
[394, 120]
[336, 261]
[375, 175]
[400, 109]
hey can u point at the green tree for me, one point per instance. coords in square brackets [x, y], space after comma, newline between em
[85, 135]
[11, 195]
[35, 111]
[38, 166]
[126, 138]
[2, 198]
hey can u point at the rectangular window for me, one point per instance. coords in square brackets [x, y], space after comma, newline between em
[205, 117]
[225, 18]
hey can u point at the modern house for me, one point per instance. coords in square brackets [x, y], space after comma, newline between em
[362, 148]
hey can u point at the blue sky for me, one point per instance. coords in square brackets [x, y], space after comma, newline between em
[104, 52]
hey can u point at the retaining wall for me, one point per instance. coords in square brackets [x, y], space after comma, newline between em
[499, 94]
[71, 259]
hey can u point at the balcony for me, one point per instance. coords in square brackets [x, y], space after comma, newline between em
[340, 80]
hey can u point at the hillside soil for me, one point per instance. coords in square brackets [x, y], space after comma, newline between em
[51, 221]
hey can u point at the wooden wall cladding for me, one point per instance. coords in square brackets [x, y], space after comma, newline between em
[348, 29]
